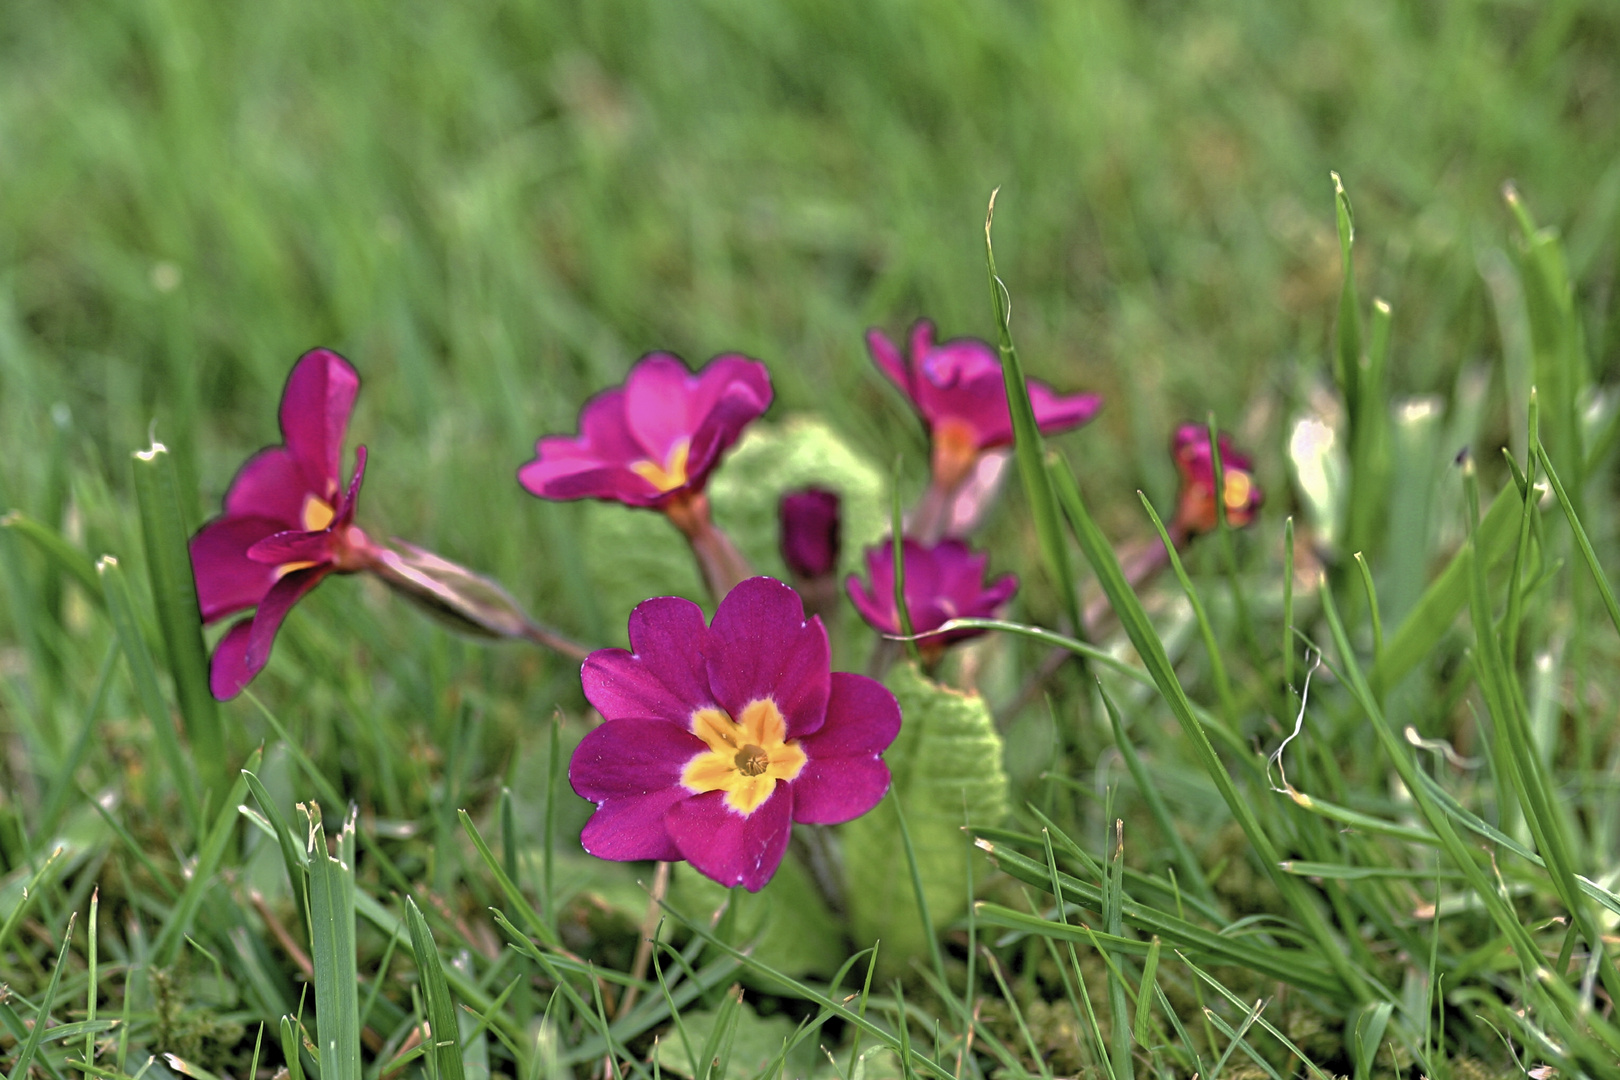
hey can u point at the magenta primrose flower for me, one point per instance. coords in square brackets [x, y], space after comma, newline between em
[958, 388]
[717, 739]
[288, 522]
[943, 582]
[653, 441]
[1195, 506]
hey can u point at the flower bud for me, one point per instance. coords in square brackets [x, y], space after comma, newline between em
[1195, 506]
[811, 529]
[468, 602]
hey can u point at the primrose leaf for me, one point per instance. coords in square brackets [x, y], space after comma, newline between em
[947, 772]
[787, 924]
[774, 459]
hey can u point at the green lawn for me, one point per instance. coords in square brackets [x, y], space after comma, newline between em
[493, 209]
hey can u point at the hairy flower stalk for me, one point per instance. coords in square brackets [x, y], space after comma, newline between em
[653, 442]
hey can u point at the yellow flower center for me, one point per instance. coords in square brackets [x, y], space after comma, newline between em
[1239, 486]
[746, 757]
[318, 513]
[956, 448]
[671, 474]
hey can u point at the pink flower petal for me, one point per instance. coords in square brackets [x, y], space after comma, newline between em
[631, 757]
[632, 827]
[586, 478]
[738, 407]
[845, 777]
[227, 580]
[351, 498]
[657, 405]
[760, 646]
[665, 678]
[315, 409]
[889, 361]
[727, 846]
[1055, 412]
[270, 485]
[604, 434]
[863, 718]
[833, 790]
[245, 649]
[294, 545]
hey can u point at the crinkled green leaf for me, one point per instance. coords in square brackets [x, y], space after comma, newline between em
[631, 555]
[947, 772]
[755, 1042]
[774, 459]
[787, 923]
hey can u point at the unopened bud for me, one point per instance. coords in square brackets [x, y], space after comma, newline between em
[468, 602]
[811, 529]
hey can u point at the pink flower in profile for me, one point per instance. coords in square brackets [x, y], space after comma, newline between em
[288, 522]
[718, 738]
[943, 582]
[1195, 506]
[653, 441]
[958, 388]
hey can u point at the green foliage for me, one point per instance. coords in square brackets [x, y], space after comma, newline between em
[774, 459]
[947, 774]
[787, 924]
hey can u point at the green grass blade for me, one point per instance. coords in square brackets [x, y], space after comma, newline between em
[1560, 371]
[292, 857]
[211, 852]
[1155, 801]
[1433, 615]
[67, 558]
[1347, 352]
[514, 896]
[1134, 620]
[1582, 541]
[934, 955]
[121, 609]
[1144, 999]
[897, 552]
[36, 1034]
[332, 946]
[174, 593]
[441, 1008]
[1028, 446]
[1507, 921]
[1217, 666]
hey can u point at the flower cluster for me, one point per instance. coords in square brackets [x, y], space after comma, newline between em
[717, 738]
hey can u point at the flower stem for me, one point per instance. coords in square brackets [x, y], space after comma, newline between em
[723, 566]
[932, 516]
[1139, 566]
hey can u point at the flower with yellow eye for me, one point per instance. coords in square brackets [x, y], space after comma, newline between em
[959, 389]
[1195, 506]
[719, 738]
[288, 522]
[654, 440]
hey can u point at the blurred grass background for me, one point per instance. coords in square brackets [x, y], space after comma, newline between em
[493, 208]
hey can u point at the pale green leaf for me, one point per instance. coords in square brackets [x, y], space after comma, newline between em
[947, 771]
